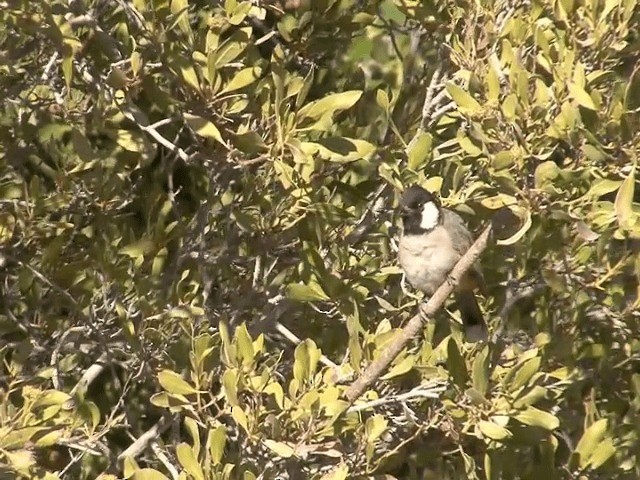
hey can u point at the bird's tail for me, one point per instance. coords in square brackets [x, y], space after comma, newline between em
[474, 325]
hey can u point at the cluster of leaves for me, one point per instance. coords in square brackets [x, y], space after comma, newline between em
[180, 180]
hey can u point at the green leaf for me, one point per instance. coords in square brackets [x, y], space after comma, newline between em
[148, 474]
[463, 99]
[602, 187]
[538, 418]
[343, 149]
[279, 448]
[493, 430]
[524, 373]
[306, 293]
[138, 249]
[480, 371]
[624, 200]
[606, 449]
[232, 47]
[230, 386]
[545, 173]
[493, 84]
[244, 77]
[330, 104]
[590, 440]
[204, 127]
[400, 368]
[374, 427]
[581, 96]
[174, 383]
[456, 365]
[189, 462]
[245, 345]
[306, 357]
[382, 99]
[419, 150]
[217, 441]
[240, 417]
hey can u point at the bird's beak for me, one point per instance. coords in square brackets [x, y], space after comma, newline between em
[404, 211]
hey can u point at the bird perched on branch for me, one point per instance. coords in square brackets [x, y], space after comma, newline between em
[433, 240]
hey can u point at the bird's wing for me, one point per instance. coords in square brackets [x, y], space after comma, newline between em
[462, 240]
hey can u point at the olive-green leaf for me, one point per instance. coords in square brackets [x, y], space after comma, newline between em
[338, 473]
[624, 200]
[375, 426]
[217, 441]
[419, 150]
[606, 449]
[538, 418]
[306, 293]
[244, 77]
[230, 386]
[174, 383]
[279, 448]
[463, 99]
[455, 362]
[400, 368]
[204, 127]
[545, 173]
[148, 474]
[590, 440]
[480, 371]
[245, 345]
[524, 373]
[330, 104]
[240, 417]
[189, 462]
[493, 430]
[581, 96]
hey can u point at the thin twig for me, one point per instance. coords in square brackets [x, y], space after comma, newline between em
[91, 374]
[422, 391]
[143, 441]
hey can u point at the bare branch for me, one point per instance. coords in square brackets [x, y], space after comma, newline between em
[423, 391]
[140, 445]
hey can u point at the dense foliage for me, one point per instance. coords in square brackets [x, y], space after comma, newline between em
[188, 185]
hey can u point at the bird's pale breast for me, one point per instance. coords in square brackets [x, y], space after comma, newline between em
[427, 259]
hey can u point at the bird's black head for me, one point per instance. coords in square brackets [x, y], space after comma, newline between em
[420, 210]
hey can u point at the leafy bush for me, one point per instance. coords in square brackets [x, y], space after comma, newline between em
[197, 239]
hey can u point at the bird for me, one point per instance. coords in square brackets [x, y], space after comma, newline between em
[432, 240]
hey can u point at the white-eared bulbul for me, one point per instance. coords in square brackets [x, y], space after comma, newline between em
[433, 240]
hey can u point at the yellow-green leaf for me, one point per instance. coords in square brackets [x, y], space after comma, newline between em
[624, 200]
[493, 430]
[338, 473]
[217, 441]
[279, 448]
[244, 77]
[538, 418]
[419, 150]
[204, 127]
[188, 460]
[581, 96]
[148, 474]
[330, 104]
[306, 293]
[463, 99]
[590, 439]
[174, 383]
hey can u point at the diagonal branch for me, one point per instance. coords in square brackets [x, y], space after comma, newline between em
[380, 365]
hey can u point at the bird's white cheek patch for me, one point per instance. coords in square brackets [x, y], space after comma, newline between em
[430, 216]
